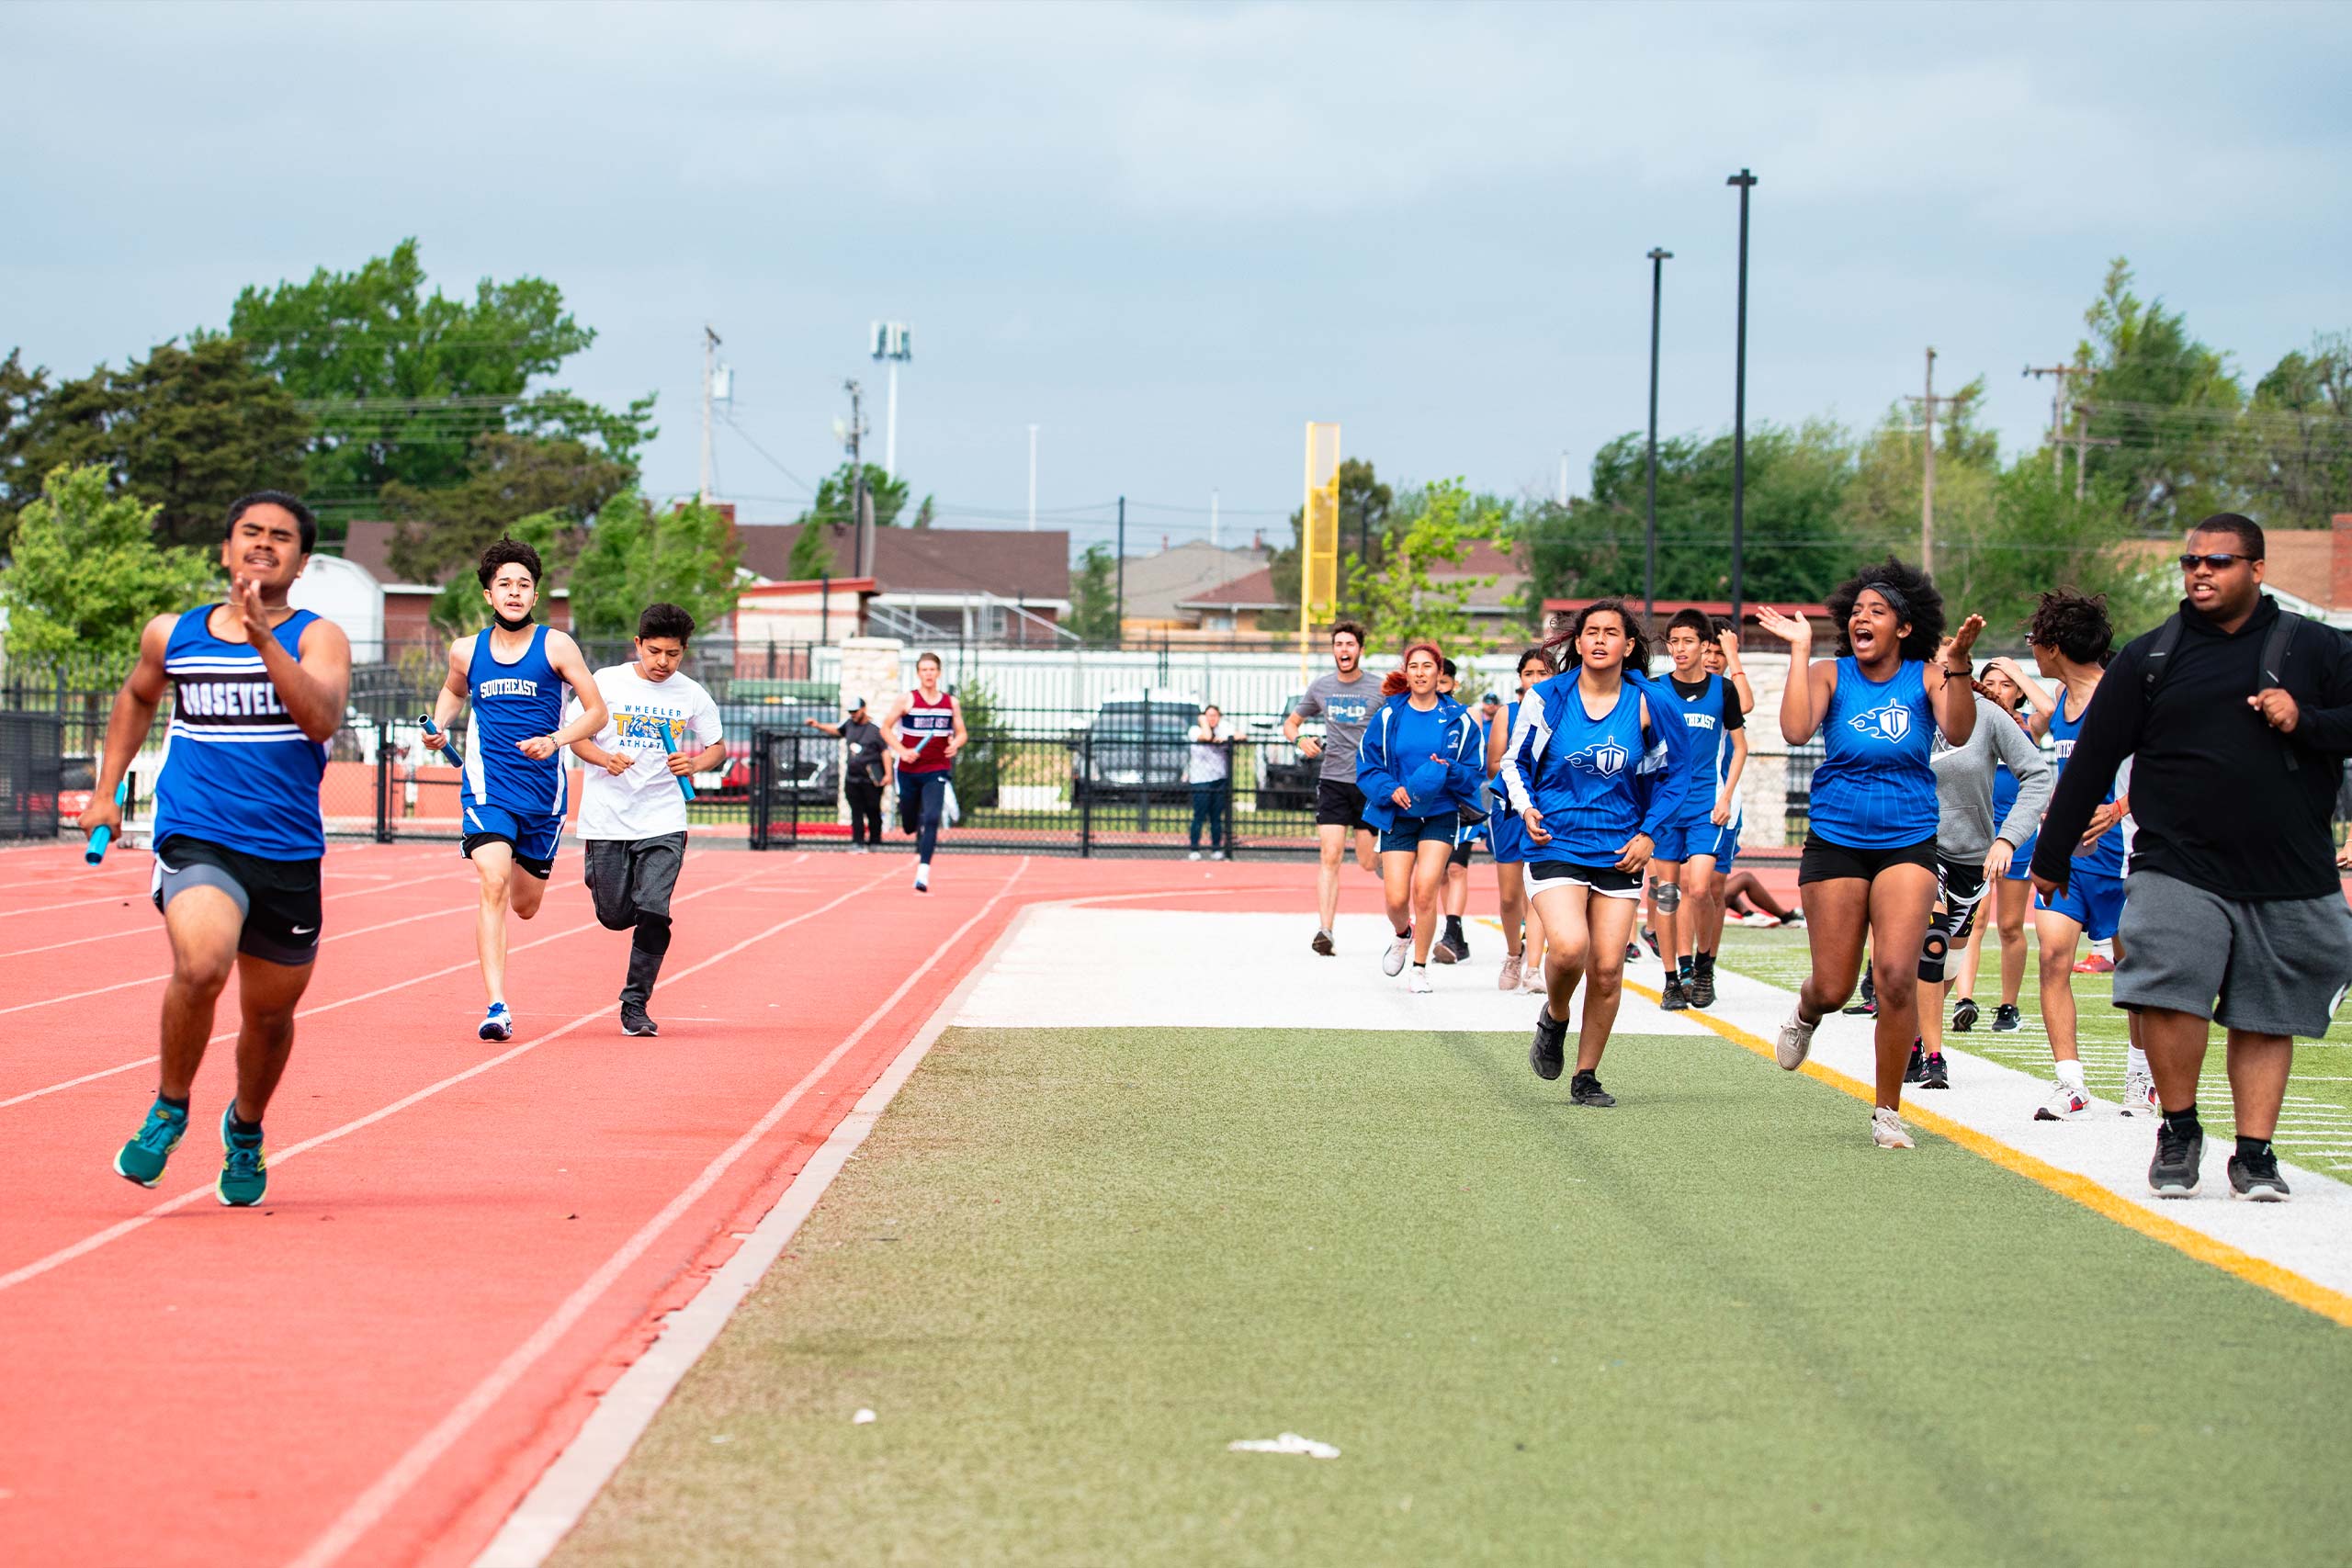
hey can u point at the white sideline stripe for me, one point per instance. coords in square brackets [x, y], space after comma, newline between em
[122, 1228]
[148, 927]
[370, 1507]
[2310, 1234]
[548, 1513]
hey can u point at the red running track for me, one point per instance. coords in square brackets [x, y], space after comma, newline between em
[464, 1243]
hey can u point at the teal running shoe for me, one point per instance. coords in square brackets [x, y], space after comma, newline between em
[143, 1159]
[244, 1169]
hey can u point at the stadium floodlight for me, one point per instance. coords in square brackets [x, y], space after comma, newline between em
[892, 343]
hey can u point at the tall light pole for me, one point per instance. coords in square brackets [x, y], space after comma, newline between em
[1746, 182]
[893, 346]
[1658, 258]
[1032, 479]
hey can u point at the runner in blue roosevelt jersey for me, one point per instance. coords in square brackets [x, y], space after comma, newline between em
[513, 675]
[1718, 738]
[1596, 767]
[1869, 870]
[257, 690]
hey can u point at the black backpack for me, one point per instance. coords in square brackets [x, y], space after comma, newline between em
[2269, 673]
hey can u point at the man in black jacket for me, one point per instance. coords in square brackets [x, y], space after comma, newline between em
[2233, 892]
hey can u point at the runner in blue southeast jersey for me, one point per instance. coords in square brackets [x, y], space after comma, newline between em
[2070, 636]
[513, 676]
[1711, 714]
[1869, 870]
[258, 691]
[1596, 767]
[1506, 840]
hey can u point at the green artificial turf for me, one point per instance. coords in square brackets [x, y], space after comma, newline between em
[1710, 1325]
[2314, 1125]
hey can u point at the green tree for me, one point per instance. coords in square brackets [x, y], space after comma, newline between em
[2167, 399]
[510, 478]
[1094, 598]
[887, 496]
[812, 553]
[2033, 535]
[402, 383]
[638, 553]
[86, 574]
[185, 430]
[1404, 601]
[2294, 447]
[459, 608]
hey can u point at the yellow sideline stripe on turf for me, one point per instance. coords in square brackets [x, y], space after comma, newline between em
[2283, 1282]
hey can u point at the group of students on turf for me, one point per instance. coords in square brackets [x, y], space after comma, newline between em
[1932, 789]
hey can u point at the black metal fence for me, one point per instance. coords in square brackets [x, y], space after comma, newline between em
[31, 774]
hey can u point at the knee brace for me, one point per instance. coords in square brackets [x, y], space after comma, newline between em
[1935, 948]
[1666, 895]
[653, 934]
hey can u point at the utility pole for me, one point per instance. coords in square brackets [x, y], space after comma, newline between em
[709, 349]
[2057, 406]
[893, 346]
[1746, 183]
[1213, 540]
[2083, 441]
[1658, 258]
[1120, 636]
[1928, 405]
[1032, 479]
[860, 514]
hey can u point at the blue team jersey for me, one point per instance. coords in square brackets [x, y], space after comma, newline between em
[1705, 717]
[237, 771]
[1874, 789]
[1506, 834]
[1580, 772]
[2105, 858]
[512, 703]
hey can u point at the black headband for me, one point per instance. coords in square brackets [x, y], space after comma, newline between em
[1892, 594]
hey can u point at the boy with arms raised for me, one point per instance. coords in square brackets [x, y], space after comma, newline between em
[660, 729]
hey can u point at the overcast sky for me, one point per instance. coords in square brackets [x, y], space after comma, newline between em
[1172, 235]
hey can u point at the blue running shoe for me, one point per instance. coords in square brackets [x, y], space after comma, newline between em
[245, 1170]
[143, 1159]
[497, 1023]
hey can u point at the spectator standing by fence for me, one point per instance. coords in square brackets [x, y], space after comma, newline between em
[1208, 767]
[866, 772]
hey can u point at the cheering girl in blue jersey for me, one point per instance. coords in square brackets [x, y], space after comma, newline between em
[1869, 869]
[1596, 772]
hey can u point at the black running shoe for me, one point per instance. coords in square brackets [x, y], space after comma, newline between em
[2255, 1179]
[634, 1021]
[1548, 1054]
[2006, 1020]
[1632, 952]
[1672, 999]
[1936, 1076]
[1649, 940]
[1322, 944]
[1865, 1005]
[1446, 950]
[1585, 1089]
[1915, 1069]
[1701, 989]
[1963, 1016]
[2174, 1173]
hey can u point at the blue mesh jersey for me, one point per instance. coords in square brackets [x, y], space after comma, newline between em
[1707, 716]
[512, 702]
[1874, 789]
[2105, 858]
[1582, 773]
[237, 771]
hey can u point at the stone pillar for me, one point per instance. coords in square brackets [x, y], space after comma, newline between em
[870, 669]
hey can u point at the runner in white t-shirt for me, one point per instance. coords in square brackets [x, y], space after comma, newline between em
[633, 805]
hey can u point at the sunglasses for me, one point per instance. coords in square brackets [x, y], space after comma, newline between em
[2211, 563]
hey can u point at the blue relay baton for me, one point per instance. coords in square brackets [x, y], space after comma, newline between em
[669, 748]
[101, 837]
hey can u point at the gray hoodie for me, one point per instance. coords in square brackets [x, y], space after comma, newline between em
[1964, 786]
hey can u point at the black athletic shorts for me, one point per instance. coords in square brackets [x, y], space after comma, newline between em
[1605, 880]
[1338, 804]
[279, 898]
[1461, 855]
[1826, 861]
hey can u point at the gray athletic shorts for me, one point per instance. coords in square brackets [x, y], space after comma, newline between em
[2278, 966]
[629, 877]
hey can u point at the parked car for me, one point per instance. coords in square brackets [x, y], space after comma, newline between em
[1285, 780]
[811, 769]
[1134, 747]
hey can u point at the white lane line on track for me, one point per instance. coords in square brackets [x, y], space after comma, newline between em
[146, 928]
[570, 1483]
[370, 1507]
[122, 1228]
[364, 995]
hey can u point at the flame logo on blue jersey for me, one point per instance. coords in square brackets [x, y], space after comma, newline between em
[1890, 722]
[1604, 759]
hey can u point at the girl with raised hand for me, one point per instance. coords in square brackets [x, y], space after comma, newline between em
[1418, 765]
[1596, 771]
[1869, 869]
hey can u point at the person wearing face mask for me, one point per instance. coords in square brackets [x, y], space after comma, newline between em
[1868, 868]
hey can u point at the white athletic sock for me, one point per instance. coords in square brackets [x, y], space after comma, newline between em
[2071, 1075]
[922, 873]
[2135, 1061]
[2104, 948]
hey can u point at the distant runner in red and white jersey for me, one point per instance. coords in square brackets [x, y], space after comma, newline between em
[925, 729]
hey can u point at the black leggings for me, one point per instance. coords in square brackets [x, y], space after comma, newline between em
[865, 811]
[921, 798]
